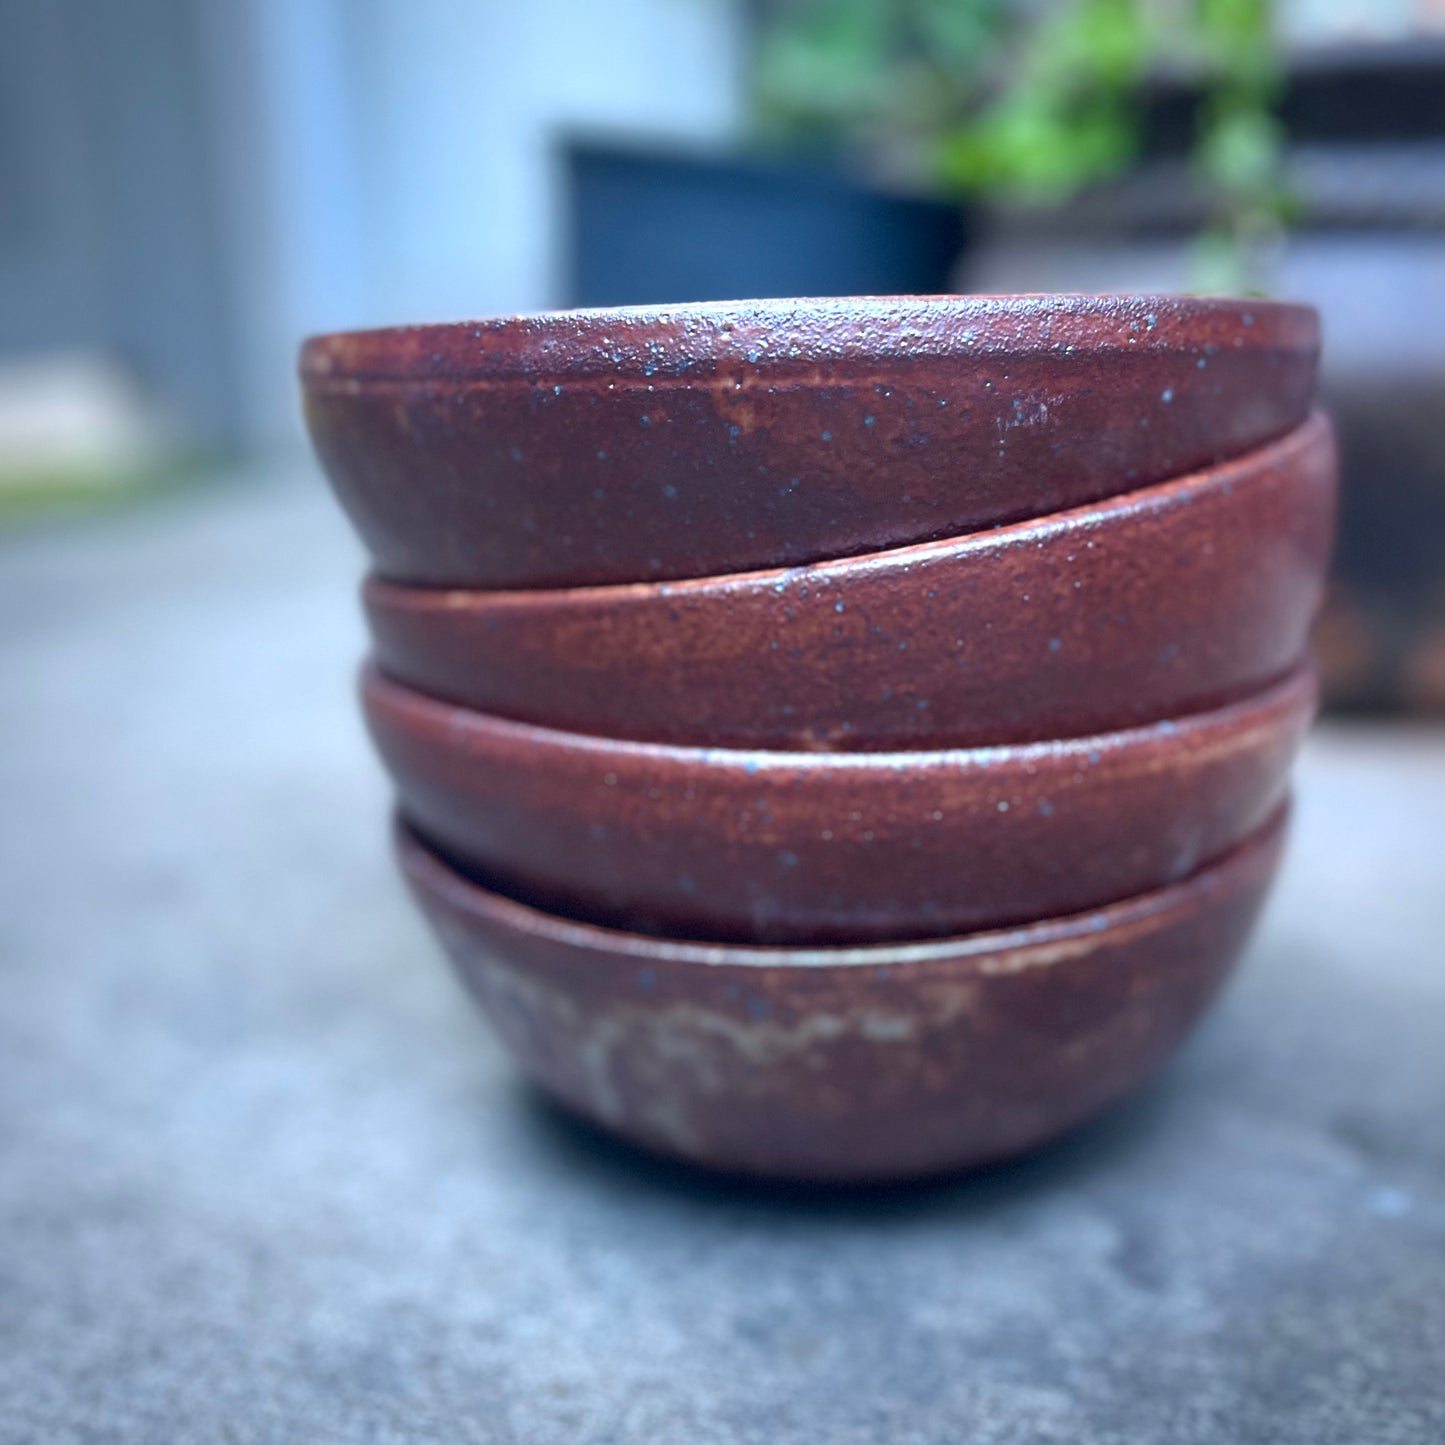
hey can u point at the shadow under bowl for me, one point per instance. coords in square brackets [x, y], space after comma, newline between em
[864, 1064]
[1162, 601]
[770, 847]
[597, 447]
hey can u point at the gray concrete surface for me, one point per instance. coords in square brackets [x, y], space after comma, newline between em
[264, 1177]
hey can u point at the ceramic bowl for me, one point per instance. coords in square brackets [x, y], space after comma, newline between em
[849, 1064]
[601, 447]
[1166, 600]
[770, 847]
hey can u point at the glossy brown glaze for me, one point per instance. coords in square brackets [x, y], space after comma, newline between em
[1166, 600]
[623, 446]
[849, 1064]
[834, 847]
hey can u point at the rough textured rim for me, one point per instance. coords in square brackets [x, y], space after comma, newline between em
[685, 343]
[1045, 942]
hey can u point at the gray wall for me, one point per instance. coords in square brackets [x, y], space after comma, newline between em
[108, 226]
[192, 185]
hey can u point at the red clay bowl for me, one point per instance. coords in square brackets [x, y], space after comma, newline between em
[620, 446]
[849, 1064]
[766, 847]
[1163, 601]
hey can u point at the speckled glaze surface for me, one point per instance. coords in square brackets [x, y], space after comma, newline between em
[770, 847]
[622, 446]
[849, 1064]
[1170, 599]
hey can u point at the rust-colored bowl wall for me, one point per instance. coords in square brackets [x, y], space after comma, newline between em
[1166, 600]
[864, 1064]
[621, 446]
[834, 847]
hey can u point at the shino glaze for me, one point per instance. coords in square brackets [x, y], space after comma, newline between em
[769, 847]
[1166, 600]
[600, 447]
[865, 1064]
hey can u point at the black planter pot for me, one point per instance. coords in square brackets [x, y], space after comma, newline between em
[649, 226]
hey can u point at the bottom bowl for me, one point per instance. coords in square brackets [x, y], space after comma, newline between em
[869, 1063]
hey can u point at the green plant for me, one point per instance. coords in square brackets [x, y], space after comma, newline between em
[1032, 103]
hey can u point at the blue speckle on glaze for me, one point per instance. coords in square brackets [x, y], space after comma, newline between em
[1167, 395]
[827, 436]
[837, 607]
[669, 490]
[1054, 644]
[647, 979]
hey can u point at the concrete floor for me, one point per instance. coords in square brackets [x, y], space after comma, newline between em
[264, 1177]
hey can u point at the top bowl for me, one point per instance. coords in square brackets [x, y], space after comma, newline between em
[596, 447]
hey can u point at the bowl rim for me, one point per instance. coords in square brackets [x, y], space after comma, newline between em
[1296, 692]
[685, 343]
[1316, 431]
[1015, 947]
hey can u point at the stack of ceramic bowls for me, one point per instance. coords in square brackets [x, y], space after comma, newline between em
[839, 738]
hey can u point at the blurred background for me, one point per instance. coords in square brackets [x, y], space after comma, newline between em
[187, 187]
[262, 1176]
